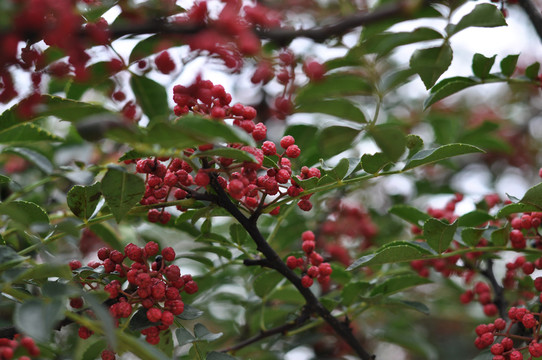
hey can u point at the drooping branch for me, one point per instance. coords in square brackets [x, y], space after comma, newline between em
[275, 262]
[534, 14]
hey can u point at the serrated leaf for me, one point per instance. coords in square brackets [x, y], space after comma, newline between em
[24, 212]
[532, 71]
[190, 313]
[202, 333]
[266, 282]
[429, 156]
[122, 191]
[410, 214]
[516, 208]
[483, 15]
[335, 139]
[508, 65]
[82, 200]
[398, 283]
[390, 139]
[439, 234]
[205, 131]
[231, 153]
[481, 65]
[397, 251]
[334, 85]
[448, 87]
[184, 336]
[474, 218]
[151, 96]
[341, 169]
[385, 42]
[33, 156]
[37, 318]
[431, 63]
[307, 184]
[374, 163]
[341, 108]
[27, 133]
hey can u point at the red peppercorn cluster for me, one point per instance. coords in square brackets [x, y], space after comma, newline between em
[154, 288]
[482, 293]
[525, 227]
[511, 346]
[18, 345]
[247, 182]
[312, 265]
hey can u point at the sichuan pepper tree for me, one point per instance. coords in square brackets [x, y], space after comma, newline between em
[153, 206]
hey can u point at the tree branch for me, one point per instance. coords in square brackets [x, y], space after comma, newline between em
[282, 329]
[499, 300]
[534, 15]
[312, 303]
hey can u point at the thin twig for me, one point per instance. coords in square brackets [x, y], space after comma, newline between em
[534, 15]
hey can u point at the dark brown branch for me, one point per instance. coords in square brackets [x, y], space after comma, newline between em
[276, 263]
[534, 15]
[258, 262]
[499, 300]
[282, 329]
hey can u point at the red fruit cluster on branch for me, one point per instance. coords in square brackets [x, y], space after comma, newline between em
[16, 347]
[137, 285]
[312, 265]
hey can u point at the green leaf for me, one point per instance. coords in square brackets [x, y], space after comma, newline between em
[227, 152]
[448, 87]
[9, 257]
[439, 234]
[335, 139]
[202, 333]
[481, 65]
[27, 133]
[483, 15]
[122, 191]
[184, 336]
[220, 251]
[37, 318]
[474, 218]
[429, 156]
[500, 236]
[33, 156]
[151, 96]
[201, 259]
[398, 283]
[213, 355]
[139, 321]
[190, 313]
[307, 184]
[82, 200]
[471, 236]
[533, 196]
[431, 63]
[46, 270]
[374, 163]
[353, 290]
[265, 283]
[390, 139]
[238, 234]
[516, 208]
[385, 42]
[410, 214]
[397, 78]
[333, 85]
[397, 251]
[4, 179]
[103, 315]
[341, 108]
[508, 65]
[93, 350]
[343, 168]
[107, 234]
[414, 143]
[145, 47]
[532, 71]
[24, 212]
[412, 305]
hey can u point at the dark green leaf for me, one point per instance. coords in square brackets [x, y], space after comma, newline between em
[93, 351]
[353, 290]
[230, 153]
[412, 305]
[201, 259]
[82, 200]
[266, 282]
[122, 191]
[532, 71]
[202, 333]
[213, 355]
[439, 234]
[516, 208]
[410, 214]
[145, 47]
[481, 65]
[483, 15]
[397, 251]
[448, 87]
[103, 315]
[27, 133]
[151, 96]
[107, 234]
[326, 180]
[390, 139]
[335, 139]
[37, 318]
[431, 63]
[190, 313]
[533, 196]
[385, 42]
[474, 218]
[4, 179]
[238, 234]
[341, 108]
[307, 184]
[396, 79]
[508, 65]
[24, 212]
[500, 236]
[398, 283]
[46, 270]
[139, 321]
[34, 157]
[220, 251]
[9, 257]
[342, 168]
[429, 156]
[471, 236]
[334, 85]
[374, 163]
[204, 131]
[184, 336]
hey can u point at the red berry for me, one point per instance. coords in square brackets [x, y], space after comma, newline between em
[291, 262]
[103, 253]
[306, 281]
[167, 318]
[151, 249]
[84, 333]
[168, 254]
[313, 271]
[154, 314]
[108, 355]
[491, 310]
[76, 303]
[500, 324]
[497, 349]
[308, 236]
[516, 355]
[164, 63]
[535, 349]
[308, 246]
[287, 141]
[305, 205]
[75, 264]
[202, 178]
[529, 321]
[314, 70]
[191, 287]
[260, 132]
[269, 148]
